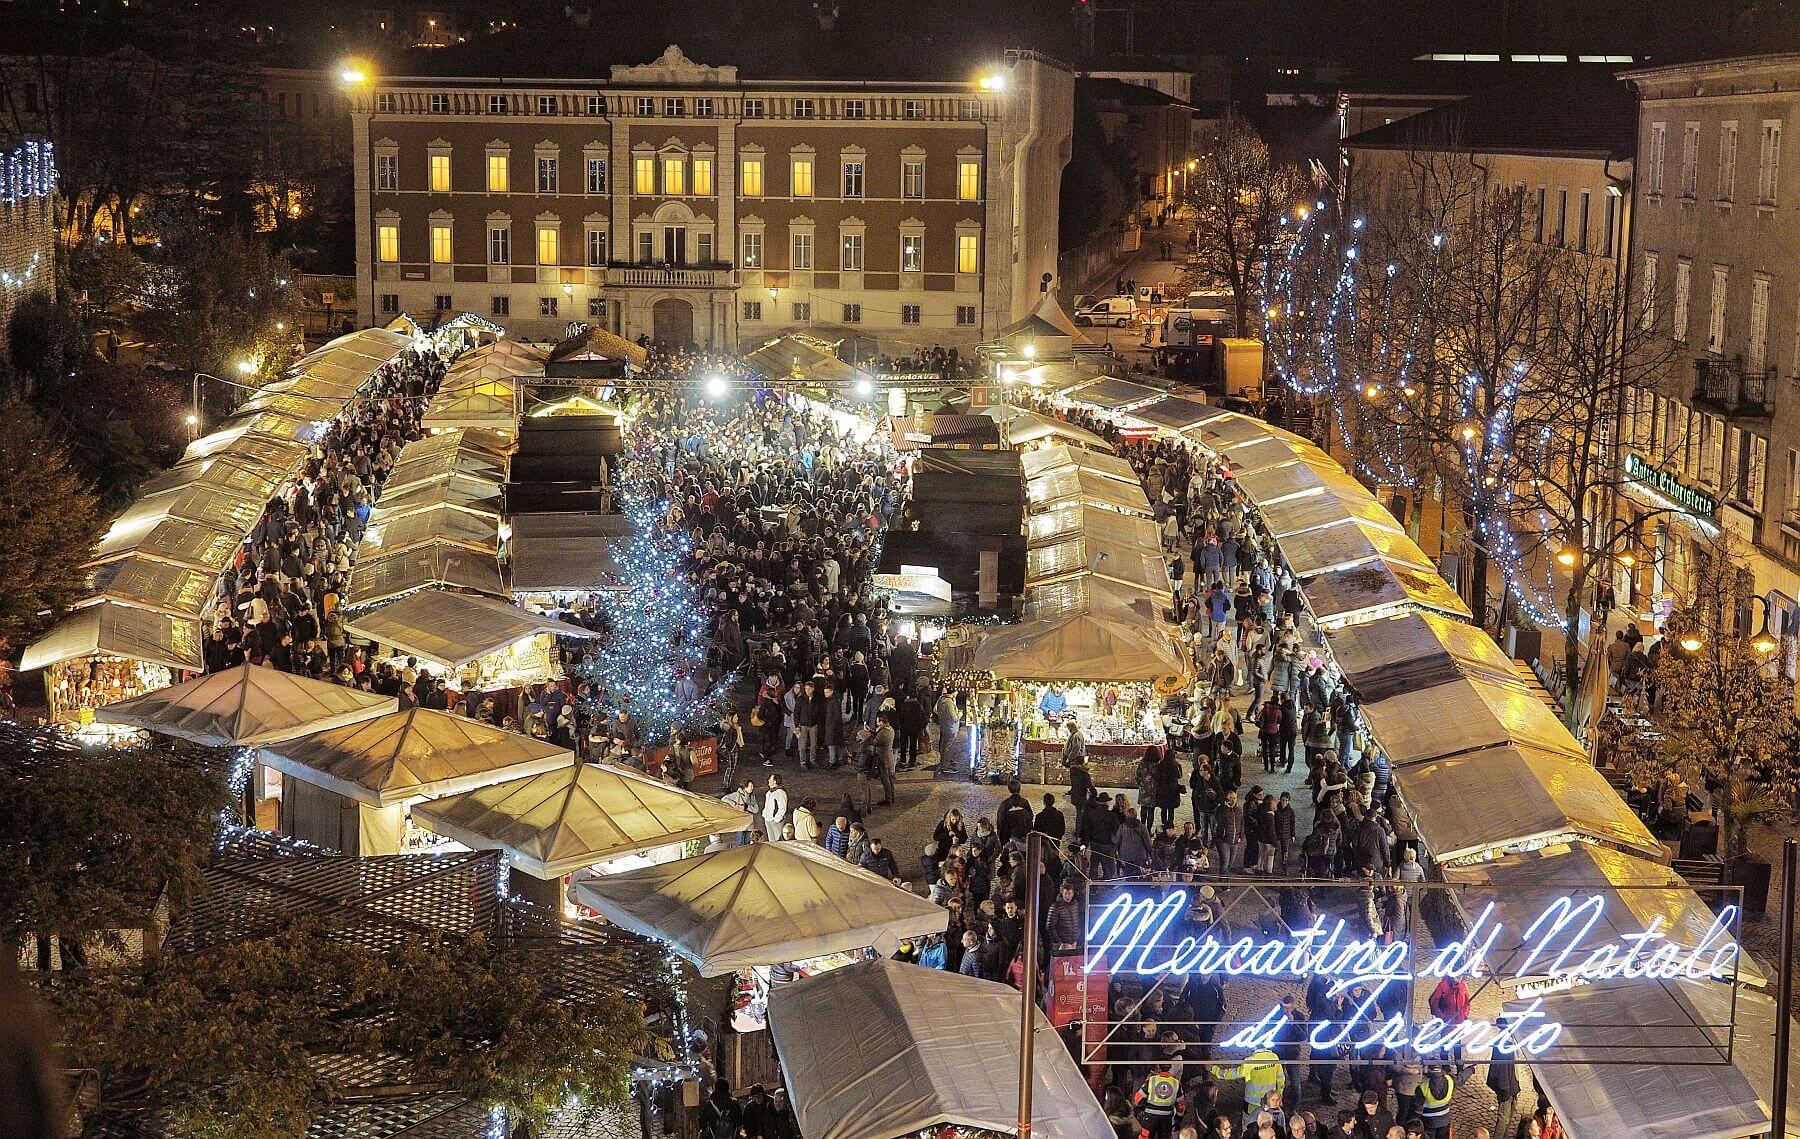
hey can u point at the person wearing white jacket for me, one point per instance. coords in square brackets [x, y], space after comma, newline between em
[806, 824]
[775, 808]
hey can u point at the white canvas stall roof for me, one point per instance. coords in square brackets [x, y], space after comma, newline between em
[1311, 511]
[176, 541]
[1055, 599]
[454, 629]
[246, 706]
[281, 452]
[1021, 427]
[563, 820]
[1228, 429]
[1047, 459]
[412, 473]
[764, 903]
[338, 384]
[113, 630]
[1172, 412]
[1054, 376]
[1636, 891]
[1078, 484]
[1073, 519]
[1412, 652]
[1109, 392]
[247, 476]
[1507, 797]
[566, 551]
[433, 565]
[177, 590]
[1128, 564]
[1360, 592]
[490, 406]
[292, 404]
[1468, 713]
[445, 523]
[209, 506]
[1084, 646]
[1305, 475]
[412, 754]
[459, 491]
[1643, 1090]
[883, 1048]
[1348, 543]
[372, 346]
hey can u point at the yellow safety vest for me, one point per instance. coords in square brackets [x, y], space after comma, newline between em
[1434, 1104]
[1260, 1071]
[1161, 1090]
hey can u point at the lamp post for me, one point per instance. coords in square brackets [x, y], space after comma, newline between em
[1034, 872]
[197, 416]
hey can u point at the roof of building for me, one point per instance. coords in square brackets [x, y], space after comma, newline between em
[1128, 93]
[1574, 111]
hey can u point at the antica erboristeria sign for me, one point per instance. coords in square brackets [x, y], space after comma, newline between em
[1564, 945]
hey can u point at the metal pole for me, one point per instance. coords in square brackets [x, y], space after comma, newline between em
[1034, 872]
[196, 405]
[1784, 987]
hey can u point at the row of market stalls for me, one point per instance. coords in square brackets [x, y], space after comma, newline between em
[1500, 792]
[155, 572]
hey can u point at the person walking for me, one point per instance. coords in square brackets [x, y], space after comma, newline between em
[1228, 833]
[775, 808]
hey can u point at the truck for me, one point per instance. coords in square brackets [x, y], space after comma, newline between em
[1188, 330]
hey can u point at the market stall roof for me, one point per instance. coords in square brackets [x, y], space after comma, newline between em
[1021, 427]
[563, 820]
[114, 630]
[454, 629]
[430, 566]
[177, 590]
[1374, 588]
[1044, 460]
[443, 523]
[1511, 797]
[459, 492]
[883, 1048]
[1262, 452]
[1086, 554]
[1311, 474]
[1349, 543]
[1053, 376]
[239, 438]
[1110, 393]
[278, 398]
[1079, 484]
[421, 463]
[565, 551]
[412, 754]
[248, 476]
[1172, 412]
[1470, 712]
[1310, 512]
[1411, 652]
[177, 541]
[1082, 647]
[372, 346]
[208, 506]
[808, 357]
[246, 706]
[764, 903]
[593, 345]
[491, 405]
[1227, 429]
[1636, 892]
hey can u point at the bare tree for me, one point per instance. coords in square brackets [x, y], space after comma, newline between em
[1240, 201]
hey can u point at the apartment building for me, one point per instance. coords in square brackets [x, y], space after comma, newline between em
[1717, 241]
[681, 201]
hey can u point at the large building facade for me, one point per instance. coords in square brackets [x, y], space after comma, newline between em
[679, 201]
[1717, 244]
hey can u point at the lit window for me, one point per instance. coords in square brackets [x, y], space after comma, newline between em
[752, 179]
[643, 175]
[440, 243]
[498, 174]
[703, 186]
[968, 181]
[803, 182]
[546, 245]
[387, 243]
[968, 252]
[674, 176]
[440, 173]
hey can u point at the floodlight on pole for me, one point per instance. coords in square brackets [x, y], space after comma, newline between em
[716, 387]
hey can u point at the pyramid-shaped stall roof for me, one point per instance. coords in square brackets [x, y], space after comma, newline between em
[247, 706]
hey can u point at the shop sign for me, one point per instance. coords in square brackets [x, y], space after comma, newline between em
[1691, 499]
[1563, 946]
[705, 754]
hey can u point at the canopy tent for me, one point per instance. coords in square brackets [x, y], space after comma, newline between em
[429, 566]
[1127, 564]
[175, 541]
[1054, 599]
[206, 505]
[1172, 412]
[490, 405]
[563, 820]
[454, 629]
[412, 754]
[553, 552]
[109, 629]
[371, 346]
[1047, 333]
[800, 356]
[1079, 484]
[1021, 427]
[1113, 394]
[1411, 652]
[177, 590]
[1219, 433]
[1311, 474]
[246, 706]
[883, 1049]
[1085, 646]
[1261, 453]
[444, 523]
[1374, 589]
[277, 398]
[1309, 512]
[1664, 1072]
[1052, 377]
[251, 434]
[459, 491]
[1467, 714]
[1636, 892]
[1349, 543]
[1511, 798]
[764, 903]
[1047, 459]
[246, 476]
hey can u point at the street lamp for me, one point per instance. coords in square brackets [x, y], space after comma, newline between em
[1764, 641]
[1691, 642]
[247, 366]
[353, 73]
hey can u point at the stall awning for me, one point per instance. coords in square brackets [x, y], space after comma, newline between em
[1361, 592]
[1347, 544]
[1310, 475]
[563, 820]
[113, 630]
[220, 508]
[459, 491]
[566, 551]
[454, 629]
[1021, 428]
[445, 523]
[430, 566]
[1510, 797]
[1084, 647]
[1309, 512]
[177, 590]
[1467, 714]
[1172, 412]
[243, 476]
[1412, 652]
[1661, 1070]
[1078, 484]
[765, 903]
[175, 541]
[1044, 460]
[246, 706]
[885, 1049]
[490, 406]
[1111, 393]
[412, 754]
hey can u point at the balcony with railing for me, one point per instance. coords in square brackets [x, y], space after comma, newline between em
[1724, 385]
[672, 276]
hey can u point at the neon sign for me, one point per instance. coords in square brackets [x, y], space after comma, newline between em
[1558, 949]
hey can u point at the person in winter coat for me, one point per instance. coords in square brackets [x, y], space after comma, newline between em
[1228, 833]
[775, 807]
[1134, 845]
[832, 725]
[1168, 788]
[949, 834]
[1067, 925]
[1286, 823]
[806, 823]
[1268, 732]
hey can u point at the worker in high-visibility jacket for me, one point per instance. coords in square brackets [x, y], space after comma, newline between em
[1159, 1102]
[1435, 1094]
[1261, 1073]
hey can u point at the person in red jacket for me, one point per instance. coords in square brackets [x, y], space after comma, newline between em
[1450, 1004]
